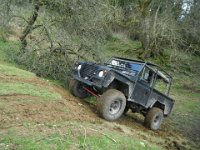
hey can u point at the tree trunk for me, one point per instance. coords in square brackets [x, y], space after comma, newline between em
[145, 26]
[29, 27]
[145, 38]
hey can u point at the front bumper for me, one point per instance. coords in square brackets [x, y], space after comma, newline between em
[88, 82]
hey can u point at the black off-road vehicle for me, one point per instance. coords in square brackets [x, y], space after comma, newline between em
[123, 84]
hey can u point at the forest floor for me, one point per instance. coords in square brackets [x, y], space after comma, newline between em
[36, 113]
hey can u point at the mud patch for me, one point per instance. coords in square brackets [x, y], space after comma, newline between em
[16, 97]
[176, 145]
[35, 80]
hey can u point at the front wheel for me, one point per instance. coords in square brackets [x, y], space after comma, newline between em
[154, 118]
[112, 104]
[76, 88]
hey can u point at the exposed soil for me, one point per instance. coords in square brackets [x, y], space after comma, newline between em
[64, 109]
[70, 108]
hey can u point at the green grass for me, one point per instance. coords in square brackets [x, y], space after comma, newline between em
[92, 100]
[27, 89]
[120, 46]
[9, 70]
[114, 141]
[187, 102]
[186, 113]
[8, 50]
[71, 138]
[37, 142]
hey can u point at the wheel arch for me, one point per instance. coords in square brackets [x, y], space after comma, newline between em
[117, 81]
[120, 86]
[159, 105]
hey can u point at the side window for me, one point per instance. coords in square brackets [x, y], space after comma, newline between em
[147, 76]
[161, 85]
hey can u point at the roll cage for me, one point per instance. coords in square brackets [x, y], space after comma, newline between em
[148, 72]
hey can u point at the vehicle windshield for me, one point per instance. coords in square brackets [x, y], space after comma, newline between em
[125, 64]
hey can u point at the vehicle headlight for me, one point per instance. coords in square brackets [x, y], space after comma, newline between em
[79, 67]
[102, 73]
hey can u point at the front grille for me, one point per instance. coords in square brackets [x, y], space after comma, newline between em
[88, 70]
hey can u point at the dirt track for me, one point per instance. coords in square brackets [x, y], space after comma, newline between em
[29, 109]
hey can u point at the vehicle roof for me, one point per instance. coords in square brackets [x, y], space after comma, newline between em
[161, 72]
[135, 60]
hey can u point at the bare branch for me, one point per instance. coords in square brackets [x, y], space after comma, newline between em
[21, 17]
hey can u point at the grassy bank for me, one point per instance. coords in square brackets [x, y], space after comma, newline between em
[36, 114]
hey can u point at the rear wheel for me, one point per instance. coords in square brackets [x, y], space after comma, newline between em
[154, 118]
[76, 88]
[112, 104]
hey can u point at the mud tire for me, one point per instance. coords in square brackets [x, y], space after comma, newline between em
[154, 118]
[76, 89]
[112, 104]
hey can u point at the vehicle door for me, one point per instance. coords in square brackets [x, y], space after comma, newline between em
[142, 89]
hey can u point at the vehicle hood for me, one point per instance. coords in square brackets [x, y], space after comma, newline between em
[122, 71]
